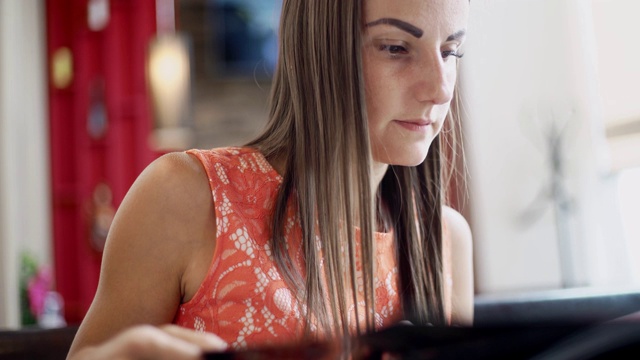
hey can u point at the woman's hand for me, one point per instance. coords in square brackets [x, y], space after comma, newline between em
[149, 342]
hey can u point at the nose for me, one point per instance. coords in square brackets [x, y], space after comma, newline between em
[434, 81]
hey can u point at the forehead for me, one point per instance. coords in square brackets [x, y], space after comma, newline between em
[450, 15]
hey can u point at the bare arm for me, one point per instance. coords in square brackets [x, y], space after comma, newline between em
[161, 238]
[461, 267]
[168, 342]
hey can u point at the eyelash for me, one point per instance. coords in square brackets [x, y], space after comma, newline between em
[401, 50]
[446, 54]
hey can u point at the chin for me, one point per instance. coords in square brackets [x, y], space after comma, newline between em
[404, 157]
[413, 161]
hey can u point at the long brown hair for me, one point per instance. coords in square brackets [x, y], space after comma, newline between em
[318, 129]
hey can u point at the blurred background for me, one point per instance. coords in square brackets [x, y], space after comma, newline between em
[91, 91]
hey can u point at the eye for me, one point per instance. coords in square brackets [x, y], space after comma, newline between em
[448, 53]
[393, 50]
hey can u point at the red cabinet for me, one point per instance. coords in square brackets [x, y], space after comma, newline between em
[100, 122]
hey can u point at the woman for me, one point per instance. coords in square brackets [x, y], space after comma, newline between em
[314, 227]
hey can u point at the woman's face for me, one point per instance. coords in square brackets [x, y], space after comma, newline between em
[410, 53]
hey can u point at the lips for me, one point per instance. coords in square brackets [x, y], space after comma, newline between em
[418, 122]
[415, 125]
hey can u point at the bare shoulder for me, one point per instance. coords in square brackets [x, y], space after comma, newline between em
[457, 227]
[171, 193]
[173, 174]
[461, 244]
[166, 219]
[158, 236]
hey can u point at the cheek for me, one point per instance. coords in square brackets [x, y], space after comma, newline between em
[372, 93]
[379, 94]
[453, 81]
[443, 112]
[373, 97]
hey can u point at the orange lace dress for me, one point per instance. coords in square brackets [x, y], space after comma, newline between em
[244, 298]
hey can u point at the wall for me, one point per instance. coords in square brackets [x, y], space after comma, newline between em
[529, 68]
[24, 169]
[5, 265]
[616, 29]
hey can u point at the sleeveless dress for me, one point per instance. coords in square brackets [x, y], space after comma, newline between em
[244, 298]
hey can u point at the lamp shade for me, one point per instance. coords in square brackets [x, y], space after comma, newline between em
[169, 79]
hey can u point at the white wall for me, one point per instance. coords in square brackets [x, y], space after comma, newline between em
[24, 163]
[528, 64]
[617, 29]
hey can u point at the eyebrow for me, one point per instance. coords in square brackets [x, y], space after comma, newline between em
[413, 30]
[416, 32]
[457, 35]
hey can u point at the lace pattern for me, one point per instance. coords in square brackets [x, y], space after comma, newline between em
[244, 298]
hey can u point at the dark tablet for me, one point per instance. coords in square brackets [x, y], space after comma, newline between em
[492, 342]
